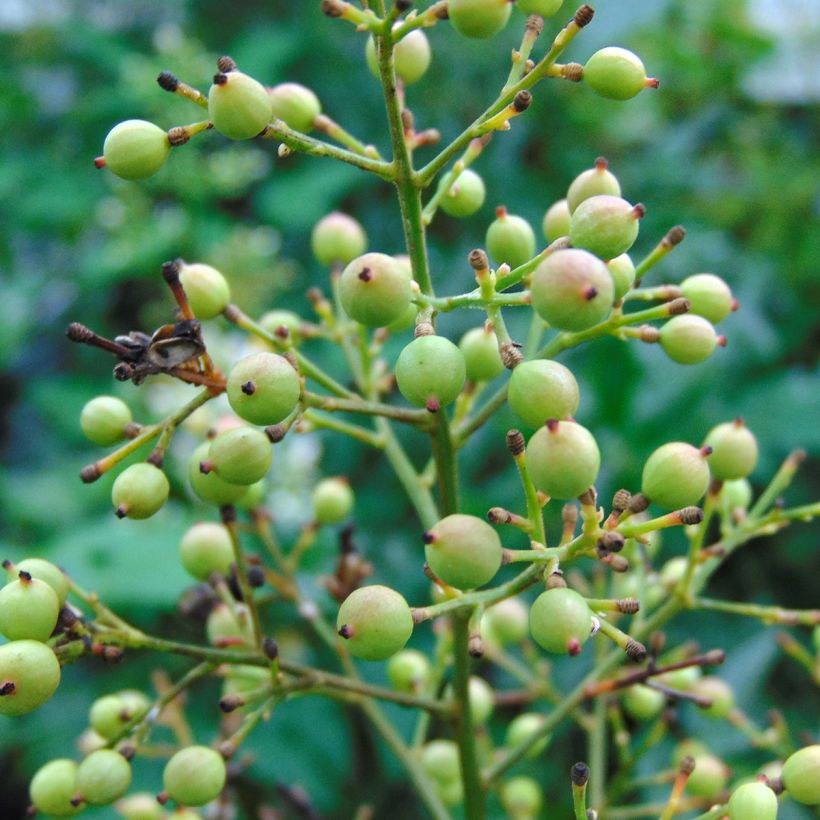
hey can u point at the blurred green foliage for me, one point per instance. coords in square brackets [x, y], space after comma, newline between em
[77, 244]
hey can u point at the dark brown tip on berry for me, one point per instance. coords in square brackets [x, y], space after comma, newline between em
[579, 774]
[99, 162]
[428, 537]
[515, 442]
[121, 511]
[501, 212]
[552, 425]
[678, 306]
[735, 305]
[128, 752]
[25, 577]
[7, 688]
[653, 82]
[639, 211]
[76, 800]
[691, 515]
[249, 388]
[230, 703]
[220, 79]
[270, 648]
[638, 503]
[636, 650]
[583, 17]
[775, 784]
[478, 259]
[7, 565]
[256, 577]
[206, 467]
[601, 164]
[621, 499]
[346, 631]
[589, 293]
[612, 541]
[629, 606]
[706, 450]
[433, 405]
[163, 798]
[573, 647]
[674, 236]
[226, 64]
[722, 341]
[522, 101]
[167, 81]
[365, 274]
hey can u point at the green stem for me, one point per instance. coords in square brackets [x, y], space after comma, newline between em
[353, 430]
[768, 614]
[419, 418]
[446, 465]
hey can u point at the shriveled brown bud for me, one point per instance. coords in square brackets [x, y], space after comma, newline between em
[638, 503]
[611, 541]
[621, 499]
[691, 515]
[515, 442]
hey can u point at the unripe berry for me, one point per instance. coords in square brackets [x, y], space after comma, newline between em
[465, 196]
[409, 671]
[263, 388]
[206, 548]
[482, 700]
[337, 238]
[44, 571]
[709, 296]
[374, 289]
[676, 475]
[622, 271]
[616, 73]
[29, 676]
[510, 238]
[376, 622]
[753, 801]
[737, 494]
[207, 289]
[605, 225]
[272, 320]
[52, 788]
[139, 491]
[572, 290]
[481, 357]
[546, 8]
[430, 372]
[332, 500]
[141, 806]
[28, 609]
[560, 621]
[734, 450]
[242, 679]
[295, 104]
[673, 571]
[801, 775]
[556, 221]
[209, 486]
[222, 627]
[238, 105]
[522, 798]
[411, 56]
[439, 758]
[463, 551]
[102, 777]
[563, 459]
[451, 793]
[506, 622]
[716, 690]
[521, 728]
[543, 389]
[135, 149]
[643, 702]
[709, 777]
[240, 456]
[681, 679]
[479, 18]
[194, 776]
[688, 339]
[108, 715]
[104, 420]
[595, 181]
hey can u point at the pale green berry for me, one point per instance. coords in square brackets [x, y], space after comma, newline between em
[263, 388]
[105, 420]
[506, 622]
[451, 793]
[52, 788]
[273, 320]
[481, 357]
[207, 289]
[563, 459]
[546, 8]
[139, 491]
[543, 389]
[616, 73]
[209, 486]
[605, 225]
[622, 271]
[676, 475]
[430, 372]
[141, 806]
[28, 609]
[332, 500]
[643, 702]
[595, 181]
[29, 676]
[709, 296]
[482, 700]
[753, 801]
[44, 571]
[737, 494]
[689, 339]
[225, 628]
[479, 19]
[411, 56]
[135, 149]
[556, 221]
[521, 797]
[510, 239]
[240, 456]
[243, 679]
[689, 748]
[375, 621]
[374, 289]
[102, 777]
[801, 775]
[409, 671]
[337, 239]
[716, 690]
[465, 196]
[734, 450]
[238, 106]
[439, 758]
[108, 715]
[709, 778]
[194, 776]
[206, 548]
[464, 551]
[521, 728]
[681, 679]
[560, 621]
[296, 105]
[673, 572]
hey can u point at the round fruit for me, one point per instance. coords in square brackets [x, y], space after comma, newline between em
[29, 676]
[616, 73]
[521, 728]
[479, 18]
[376, 622]
[801, 775]
[238, 105]
[275, 319]
[572, 290]
[482, 700]
[688, 339]
[546, 8]
[510, 239]
[52, 788]
[465, 196]
[263, 388]
[139, 491]
[240, 456]
[44, 571]
[681, 679]
[194, 776]
[753, 801]
[560, 621]
[223, 628]
[108, 716]
[439, 758]
[209, 486]
[605, 225]
[595, 181]
[104, 420]
[28, 609]
[430, 372]
[506, 622]
[556, 221]
[463, 551]
[709, 296]
[481, 357]
[337, 239]
[332, 500]
[411, 56]
[522, 798]
[102, 777]
[717, 691]
[409, 671]
[643, 702]
[206, 548]
[141, 806]
[543, 389]
[709, 777]
[563, 459]
[207, 289]
[375, 290]
[135, 149]
[295, 104]
[734, 450]
[676, 475]
[622, 271]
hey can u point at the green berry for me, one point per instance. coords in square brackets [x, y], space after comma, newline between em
[689, 339]
[556, 221]
[716, 690]
[681, 679]
[139, 491]
[439, 758]
[734, 450]
[452, 793]
[273, 320]
[29, 676]
[622, 271]
[102, 777]
[240, 456]
[52, 788]
[709, 777]
[506, 622]
[595, 181]
[753, 801]
[28, 609]
[206, 548]
[135, 149]
[207, 289]
[105, 420]
[337, 239]
[560, 621]
[225, 629]
[510, 239]
[376, 622]
[605, 225]
[479, 19]
[464, 551]
[521, 728]
[411, 56]
[673, 571]
[295, 104]
[737, 494]
[238, 106]
[572, 290]
[801, 775]
[546, 8]
[465, 196]
[563, 459]
[522, 798]
[141, 806]
[616, 74]
[481, 357]
[263, 388]
[676, 475]
[108, 715]
[243, 679]
[430, 372]
[209, 486]
[643, 702]
[332, 500]
[194, 776]
[543, 389]
[409, 671]
[44, 571]
[482, 700]
[709, 296]
[375, 290]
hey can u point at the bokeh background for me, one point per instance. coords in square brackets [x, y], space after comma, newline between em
[727, 147]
